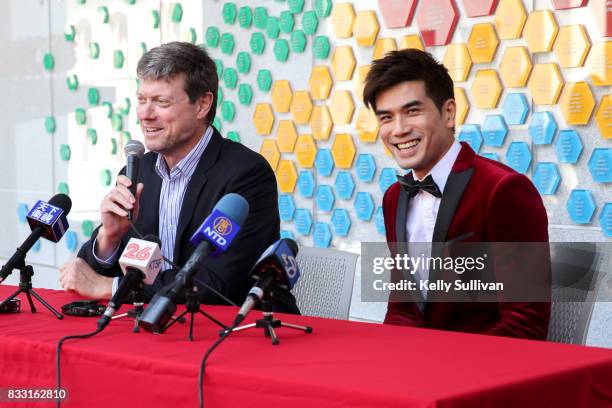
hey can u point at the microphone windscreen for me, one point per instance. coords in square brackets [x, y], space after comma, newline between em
[62, 201]
[134, 147]
[233, 206]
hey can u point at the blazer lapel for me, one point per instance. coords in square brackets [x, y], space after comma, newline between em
[148, 219]
[455, 186]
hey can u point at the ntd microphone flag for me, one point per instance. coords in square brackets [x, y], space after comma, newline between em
[144, 256]
[218, 229]
[50, 217]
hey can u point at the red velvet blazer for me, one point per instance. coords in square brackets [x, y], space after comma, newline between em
[483, 201]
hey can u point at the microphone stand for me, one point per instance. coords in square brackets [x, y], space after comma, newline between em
[138, 302]
[268, 322]
[25, 286]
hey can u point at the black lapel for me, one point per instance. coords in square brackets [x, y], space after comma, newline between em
[194, 188]
[455, 186]
[148, 219]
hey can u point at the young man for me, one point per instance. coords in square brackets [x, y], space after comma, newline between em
[188, 169]
[451, 194]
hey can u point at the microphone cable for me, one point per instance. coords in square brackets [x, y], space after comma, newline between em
[216, 344]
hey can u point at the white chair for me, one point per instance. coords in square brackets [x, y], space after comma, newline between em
[326, 282]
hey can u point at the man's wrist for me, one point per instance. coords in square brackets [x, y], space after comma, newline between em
[104, 289]
[105, 245]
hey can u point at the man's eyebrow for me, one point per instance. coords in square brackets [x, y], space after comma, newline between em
[407, 105]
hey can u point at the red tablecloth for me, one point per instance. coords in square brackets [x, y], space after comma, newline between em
[341, 364]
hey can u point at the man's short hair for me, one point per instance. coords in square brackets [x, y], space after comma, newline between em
[174, 58]
[408, 65]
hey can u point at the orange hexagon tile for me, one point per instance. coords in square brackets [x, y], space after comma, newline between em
[411, 41]
[263, 118]
[286, 135]
[383, 46]
[343, 151]
[486, 89]
[362, 73]
[305, 151]
[482, 43]
[342, 18]
[545, 84]
[510, 18]
[269, 150]
[458, 61]
[320, 82]
[463, 106]
[540, 30]
[341, 107]
[577, 103]
[367, 125]
[343, 63]
[365, 28]
[281, 95]
[321, 122]
[515, 67]
[599, 63]
[603, 117]
[572, 46]
[301, 107]
[286, 176]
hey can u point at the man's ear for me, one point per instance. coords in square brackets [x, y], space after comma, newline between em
[449, 111]
[204, 104]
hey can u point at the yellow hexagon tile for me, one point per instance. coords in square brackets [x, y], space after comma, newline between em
[540, 30]
[411, 41]
[305, 151]
[603, 117]
[515, 67]
[482, 43]
[383, 46]
[301, 107]
[281, 95]
[510, 17]
[577, 103]
[263, 118]
[545, 84]
[486, 89]
[387, 151]
[362, 73]
[286, 176]
[599, 63]
[365, 28]
[286, 135]
[321, 122]
[320, 82]
[343, 151]
[343, 63]
[458, 61]
[367, 125]
[269, 150]
[463, 106]
[341, 107]
[342, 18]
[572, 46]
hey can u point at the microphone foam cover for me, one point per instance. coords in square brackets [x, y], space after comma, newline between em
[134, 147]
[234, 206]
[62, 201]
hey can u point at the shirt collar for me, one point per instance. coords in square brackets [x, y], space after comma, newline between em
[443, 167]
[186, 166]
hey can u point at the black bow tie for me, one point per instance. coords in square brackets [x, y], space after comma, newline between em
[412, 186]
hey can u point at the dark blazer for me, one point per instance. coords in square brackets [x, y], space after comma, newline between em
[225, 167]
[483, 201]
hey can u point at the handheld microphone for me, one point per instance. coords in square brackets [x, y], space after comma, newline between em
[276, 267]
[140, 262]
[47, 220]
[216, 232]
[134, 150]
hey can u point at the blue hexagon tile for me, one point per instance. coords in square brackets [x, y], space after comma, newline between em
[325, 198]
[286, 207]
[365, 167]
[287, 234]
[605, 219]
[387, 177]
[600, 165]
[364, 206]
[546, 178]
[581, 206]
[568, 146]
[494, 130]
[324, 162]
[71, 240]
[379, 221]
[492, 156]
[303, 221]
[341, 222]
[344, 185]
[515, 109]
[471, 135]
[36, 246]
[22, 212]
[542, 128]
[306, 183]
[518, 156]
[322, 235]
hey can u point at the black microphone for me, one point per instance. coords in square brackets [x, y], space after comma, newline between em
[47, 220]
[134, 150]
[216, 232]
[276, 267]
